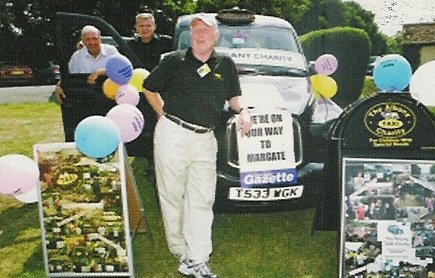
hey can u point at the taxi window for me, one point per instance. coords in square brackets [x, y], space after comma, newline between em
[249, 37]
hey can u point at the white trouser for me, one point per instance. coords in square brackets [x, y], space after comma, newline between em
[185, 164]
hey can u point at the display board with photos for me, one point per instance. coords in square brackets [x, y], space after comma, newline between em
[83, 213]
[387, 218]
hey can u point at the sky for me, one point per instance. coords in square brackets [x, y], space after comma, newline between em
[390, 15]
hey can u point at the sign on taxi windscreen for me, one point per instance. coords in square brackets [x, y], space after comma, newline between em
[250, 56]
[266, 153]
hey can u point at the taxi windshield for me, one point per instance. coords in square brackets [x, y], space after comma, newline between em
[249, 37]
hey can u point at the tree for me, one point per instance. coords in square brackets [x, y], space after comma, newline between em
[322, 14]
[7, 28]
[310, 15]
[27, 26]
[290, 10]
[332, 13]
[394, 45]
[357, 17]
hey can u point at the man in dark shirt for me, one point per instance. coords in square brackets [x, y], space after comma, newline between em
[193, 85]
[148, 46]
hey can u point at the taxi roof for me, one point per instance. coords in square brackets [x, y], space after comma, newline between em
[183, 22]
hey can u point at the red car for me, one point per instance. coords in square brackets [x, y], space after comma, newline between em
[15, 74]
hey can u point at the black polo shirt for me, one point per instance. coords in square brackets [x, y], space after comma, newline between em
[187, 95]
[149, 53]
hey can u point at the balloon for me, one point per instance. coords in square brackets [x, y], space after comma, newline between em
[119, 69]
[138, 77]
[97, 136]
[127, 94]
[392, 73]
[422, 84]
[28, 197]
[326, 64]
[129, 120]
[18, 174]
[323, 85]
[110, 88]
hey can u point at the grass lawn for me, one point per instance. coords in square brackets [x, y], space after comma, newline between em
[245, 245]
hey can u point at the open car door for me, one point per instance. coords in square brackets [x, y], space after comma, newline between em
[83, 100]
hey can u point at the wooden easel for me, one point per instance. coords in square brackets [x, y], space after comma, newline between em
[136, 213]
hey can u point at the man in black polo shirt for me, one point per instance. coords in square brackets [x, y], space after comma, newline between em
[193, 85]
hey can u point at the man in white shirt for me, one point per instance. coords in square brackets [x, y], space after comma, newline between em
[78, 104]
[93, 56]
[90, 59]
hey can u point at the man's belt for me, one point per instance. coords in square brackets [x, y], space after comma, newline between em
[187, 125]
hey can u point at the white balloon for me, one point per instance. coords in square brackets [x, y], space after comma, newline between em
[28, 197]
[18, 174]
[422, 84]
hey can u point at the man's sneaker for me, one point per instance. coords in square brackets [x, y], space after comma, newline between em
[185, 267]
[200, 270]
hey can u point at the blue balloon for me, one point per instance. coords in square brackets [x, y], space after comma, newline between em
[119, 69]
[392, 73]
[97, 136]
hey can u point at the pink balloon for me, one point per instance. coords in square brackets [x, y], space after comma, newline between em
[326, 64]
[28, 197]
[18, 174]
[129, 120]
[127, 94]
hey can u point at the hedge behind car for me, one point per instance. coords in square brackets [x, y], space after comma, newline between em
[351, 47]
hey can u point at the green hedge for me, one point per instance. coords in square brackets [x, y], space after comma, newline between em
[351, 47]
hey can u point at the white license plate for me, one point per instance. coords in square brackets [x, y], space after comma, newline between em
[265, 194]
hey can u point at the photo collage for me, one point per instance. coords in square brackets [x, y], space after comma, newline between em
[388, 218]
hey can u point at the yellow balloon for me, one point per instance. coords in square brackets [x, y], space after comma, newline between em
[323, 85]
[137, 78]
[110, 88]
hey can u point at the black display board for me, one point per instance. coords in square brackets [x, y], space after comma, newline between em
[381, 156]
